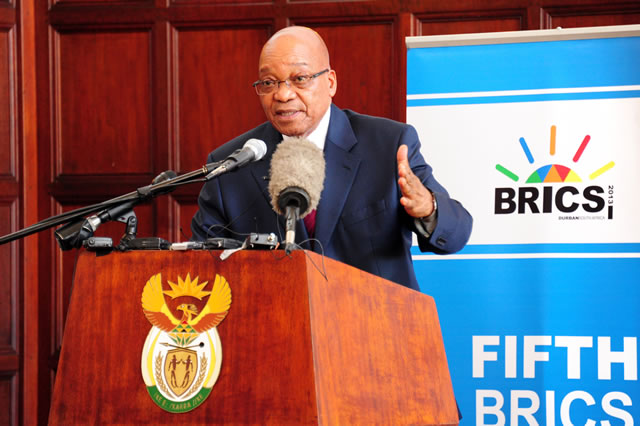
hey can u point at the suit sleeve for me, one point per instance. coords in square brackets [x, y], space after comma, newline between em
[454, 222]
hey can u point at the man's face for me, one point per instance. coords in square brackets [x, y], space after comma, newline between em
[291, 110]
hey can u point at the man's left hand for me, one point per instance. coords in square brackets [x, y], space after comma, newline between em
[416, 198]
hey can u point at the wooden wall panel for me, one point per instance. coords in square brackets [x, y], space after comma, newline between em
[184, 212]
[8, 398]
[6, 303]
[218, 2]
[99, 2]
[10, 321]
[213, 72]
[103, 103]
[576, 18]
[7, 107]
[10, 324]
[8, 281]
[366, 81]
[465, 23]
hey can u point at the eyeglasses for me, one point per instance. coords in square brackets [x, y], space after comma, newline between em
[264, 87]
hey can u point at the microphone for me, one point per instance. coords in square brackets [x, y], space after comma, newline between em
[75, 233]
[296, 182]
[165, 176]
[253, 150]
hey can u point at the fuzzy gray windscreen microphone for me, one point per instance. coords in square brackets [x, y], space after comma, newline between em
[297, 163]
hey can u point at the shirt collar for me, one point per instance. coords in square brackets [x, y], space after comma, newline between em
[319, 135]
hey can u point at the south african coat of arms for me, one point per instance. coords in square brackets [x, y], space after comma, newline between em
[181, 358]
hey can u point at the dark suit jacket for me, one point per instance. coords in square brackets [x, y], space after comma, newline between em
[360, 220]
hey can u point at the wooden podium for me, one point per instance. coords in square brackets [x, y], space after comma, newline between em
[307, 340]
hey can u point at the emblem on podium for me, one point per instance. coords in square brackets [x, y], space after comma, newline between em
[182, 356]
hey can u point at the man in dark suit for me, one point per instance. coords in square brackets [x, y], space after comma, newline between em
[378, 189]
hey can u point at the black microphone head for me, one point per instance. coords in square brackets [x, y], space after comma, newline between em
[297, 166]
[164, 176]
[294, 197]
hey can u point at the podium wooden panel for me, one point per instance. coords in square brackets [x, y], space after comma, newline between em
[298, 348]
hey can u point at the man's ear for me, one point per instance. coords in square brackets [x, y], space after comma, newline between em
[333, 83]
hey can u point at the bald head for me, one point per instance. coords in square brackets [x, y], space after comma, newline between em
[293, 52]
[287, 39]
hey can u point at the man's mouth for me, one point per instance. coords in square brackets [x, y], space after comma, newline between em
[286, 114]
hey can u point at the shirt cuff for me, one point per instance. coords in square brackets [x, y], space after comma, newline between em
[426, 225]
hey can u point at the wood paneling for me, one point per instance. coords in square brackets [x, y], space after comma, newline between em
[572, 18]
[472, 23]
[99, 96]
[362, 86]
[9, 316]
[103, 102]
[8, 282]
[213, 72]
[184, 214]
[8, 399]
[6, 303]
[7, 106]
[218, 2]
[100, 2]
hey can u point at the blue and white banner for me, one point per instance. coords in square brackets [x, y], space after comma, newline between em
[537, 133]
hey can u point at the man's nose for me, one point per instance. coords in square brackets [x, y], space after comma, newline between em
[284, 92]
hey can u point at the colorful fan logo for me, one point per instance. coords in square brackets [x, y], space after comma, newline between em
[554, 172]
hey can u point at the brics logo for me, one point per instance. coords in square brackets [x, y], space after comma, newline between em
[562, 191]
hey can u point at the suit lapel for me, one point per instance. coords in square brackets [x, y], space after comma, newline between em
[340, 172]
[260, 170]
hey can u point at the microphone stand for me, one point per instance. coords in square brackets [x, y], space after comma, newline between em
[79, 229]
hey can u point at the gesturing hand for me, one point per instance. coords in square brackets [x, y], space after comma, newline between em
[416, 198]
